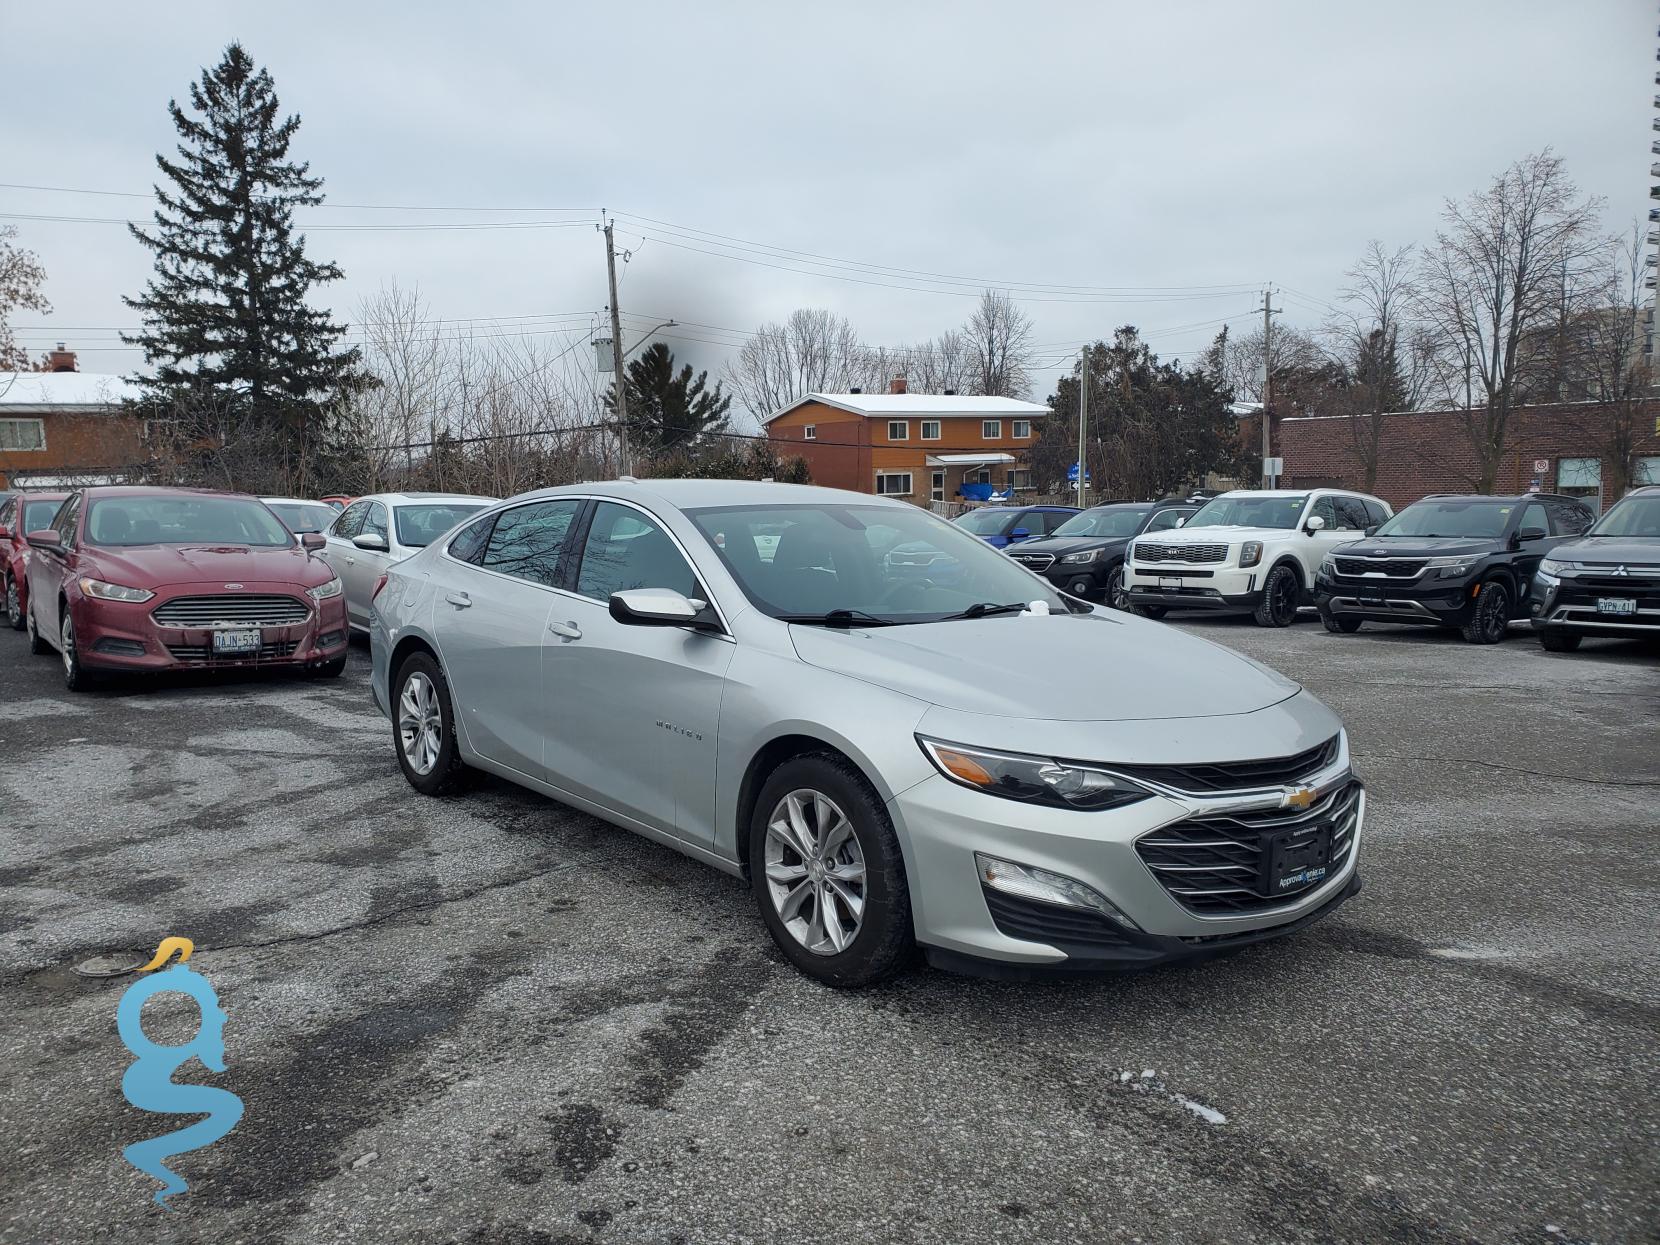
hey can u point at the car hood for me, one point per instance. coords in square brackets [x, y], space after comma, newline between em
[1064, 667]
[1059, 545]
[1219, 535]
[166, 566]
[1610, 551]
[1421, 547]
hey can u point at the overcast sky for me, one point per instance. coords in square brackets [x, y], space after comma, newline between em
[1174, 145]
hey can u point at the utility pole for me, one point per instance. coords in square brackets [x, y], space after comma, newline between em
[619, 389]
[1083, 420]
[1268, 314]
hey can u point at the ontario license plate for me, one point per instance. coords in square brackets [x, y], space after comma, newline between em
[1616, 605]
[236, 641]
[1166, 581]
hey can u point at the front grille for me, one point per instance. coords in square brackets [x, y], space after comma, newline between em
[1393, 568]
[1218, 865]
[250, 610]
[1146, 551]
[1035, 921]
[1035, 561]
[1206, 778]
[203, 654]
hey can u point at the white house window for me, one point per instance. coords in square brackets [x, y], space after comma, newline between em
[22, 434]
[1020, 477]
[891, 483]
[899, 430]
[1022, 429]
[930, 430]
[810, 433]
[991, 429]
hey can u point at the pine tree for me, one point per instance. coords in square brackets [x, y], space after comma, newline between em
[669, 411]
[226, 326]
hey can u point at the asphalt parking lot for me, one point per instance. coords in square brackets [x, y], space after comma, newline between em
[491, 1020]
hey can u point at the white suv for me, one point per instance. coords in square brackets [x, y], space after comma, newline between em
[1248, 550]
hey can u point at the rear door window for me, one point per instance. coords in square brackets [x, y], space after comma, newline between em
[528, 542]
[1351, 514]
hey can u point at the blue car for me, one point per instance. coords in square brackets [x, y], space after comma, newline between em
[1001, 526]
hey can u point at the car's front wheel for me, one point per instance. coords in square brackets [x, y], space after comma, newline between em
[76, 677]
[1278, 607]
[1336, 623]
[39, 645]
[827, 872]
[1491, 617]
[423, 727]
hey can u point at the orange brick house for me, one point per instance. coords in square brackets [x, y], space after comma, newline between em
[920, 446]
[66, 427]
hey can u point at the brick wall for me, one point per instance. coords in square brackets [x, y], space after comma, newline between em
[77, 440]
[1426, 452]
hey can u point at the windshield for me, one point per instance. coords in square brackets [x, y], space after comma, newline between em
[303, 516]
[184, 521]
[1634, 516]
[1249, 511]
[984, 522]
[1114, 522]
[1451, 517]
[39, 514]
[888, 564]
[419, 526]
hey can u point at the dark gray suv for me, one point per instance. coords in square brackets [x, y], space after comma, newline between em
[1605, 583]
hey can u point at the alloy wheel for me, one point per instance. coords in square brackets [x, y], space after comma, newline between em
[14, 607]
[1285, 599]
[420, 723]
[815, 871]
[1117, 596]
[1496, 613]
[67, 636]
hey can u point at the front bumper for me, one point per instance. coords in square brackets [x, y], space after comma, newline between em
[124, 636]
[1445, 603]
[1569, 604]
[1200, 587]
[962, 923]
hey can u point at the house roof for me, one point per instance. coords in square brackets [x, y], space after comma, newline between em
[50, 391]
[913, 405]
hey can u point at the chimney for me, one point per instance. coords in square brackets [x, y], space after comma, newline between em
[898, 385]
[60, 360]
[855, 389]
[950, 393]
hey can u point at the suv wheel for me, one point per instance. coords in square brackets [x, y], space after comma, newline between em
[14, 605]
[1336, 624]
[827, 873]
[423, 727]
[1491, 617]
[1278, 607]
[1117, 595]
[1560, 641]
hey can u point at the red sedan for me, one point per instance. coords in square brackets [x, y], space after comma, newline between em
[151, 579]
[20, 514]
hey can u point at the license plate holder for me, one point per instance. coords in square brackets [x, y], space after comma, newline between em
[1616, 605]
[1294, 860]
[1372, 593]
[240, 640]
[1169, 581]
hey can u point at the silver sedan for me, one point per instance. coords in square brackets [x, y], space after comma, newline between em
[376, 531]
[1013, 780]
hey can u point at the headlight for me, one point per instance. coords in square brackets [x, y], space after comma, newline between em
[1077, 559]
[1555, 566]
[1250, 553]
[1453, 568]
[1031, 779]
[1328, 565]
[322, 592]
[114, 592]
[1030, 882]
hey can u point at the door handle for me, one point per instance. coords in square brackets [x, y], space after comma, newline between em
[460, 600]
[567, 630]
[349, 561]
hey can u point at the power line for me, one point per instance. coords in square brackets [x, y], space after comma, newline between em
[359, 207]
[425, 227]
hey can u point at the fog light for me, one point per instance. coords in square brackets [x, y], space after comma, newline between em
[1028, 882]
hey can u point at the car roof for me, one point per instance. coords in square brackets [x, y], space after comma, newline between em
[398, 499]
[296, 501]
[1509, 497]
[96, 491]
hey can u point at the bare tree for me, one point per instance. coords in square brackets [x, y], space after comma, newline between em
[1240, 359]
[21, 277]
[1607, 351]
[814, 350]
[1000, 346]
[1503, 259]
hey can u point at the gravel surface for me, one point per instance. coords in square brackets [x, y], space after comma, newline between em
[491, 1020]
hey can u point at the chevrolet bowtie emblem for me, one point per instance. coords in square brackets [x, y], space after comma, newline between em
[1298, 797]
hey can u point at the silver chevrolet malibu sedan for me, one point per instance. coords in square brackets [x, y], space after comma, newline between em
[894, 752]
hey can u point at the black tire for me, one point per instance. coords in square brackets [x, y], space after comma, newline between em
[884, 941]
[1560, 641]
[448, 771]
[14, 603]
[332, 669]
[1280, 593]
[1490, 618]
[1151, 611]
[76, 677]
[38, 644]
[1116, 595]
[1337, 625]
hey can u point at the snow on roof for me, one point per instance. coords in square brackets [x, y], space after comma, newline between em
[912, 405]
[53, 390]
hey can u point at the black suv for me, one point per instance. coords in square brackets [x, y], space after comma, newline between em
[1453, 561]
[1085, 555]
[1605, 583]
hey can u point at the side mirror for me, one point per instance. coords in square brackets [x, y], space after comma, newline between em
[1373, 530]
[313, 541]
[1181, 520]
[47, 538]
[1532, 533]
[1315, 524]
[661, 607]
[373, 541]
[1019, 533]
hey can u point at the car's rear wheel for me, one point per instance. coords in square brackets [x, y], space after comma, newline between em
[38, 644]
[1278, 607]
[1117, 595]
[423, 727]
[76, 677]
[1491, 617]
[1559, 641]
[1336, 624]
[827, 872]
[14, 604]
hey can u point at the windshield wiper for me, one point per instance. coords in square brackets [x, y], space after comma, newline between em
[985, 609]
[840, 618]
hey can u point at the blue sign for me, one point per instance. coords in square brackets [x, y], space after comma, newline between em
[1072, 474]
